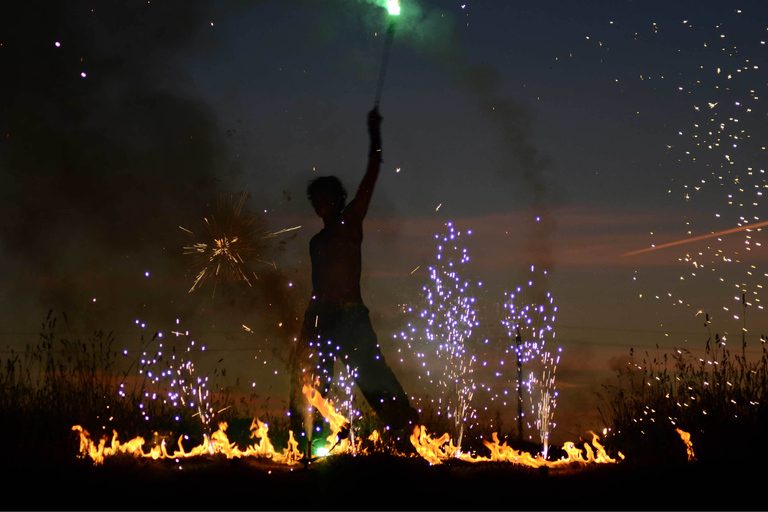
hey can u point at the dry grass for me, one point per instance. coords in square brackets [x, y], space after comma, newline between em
[718, 397]
[61, 381]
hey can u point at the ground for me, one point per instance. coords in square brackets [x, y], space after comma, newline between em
[377, 482]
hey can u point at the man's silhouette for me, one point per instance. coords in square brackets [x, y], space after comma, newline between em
[336, 323]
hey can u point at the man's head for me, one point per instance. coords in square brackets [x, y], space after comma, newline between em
[327, 195]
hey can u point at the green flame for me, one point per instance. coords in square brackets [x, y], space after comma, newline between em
[394, 7]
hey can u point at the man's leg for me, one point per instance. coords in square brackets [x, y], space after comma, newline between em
[375, 379]
[312, 366]
[300, 416]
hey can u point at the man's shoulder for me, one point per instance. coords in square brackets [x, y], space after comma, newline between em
[352, 212]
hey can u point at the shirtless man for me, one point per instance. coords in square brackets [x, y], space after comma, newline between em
[336, 323]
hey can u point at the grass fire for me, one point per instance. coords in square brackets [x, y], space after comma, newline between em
[383, 255]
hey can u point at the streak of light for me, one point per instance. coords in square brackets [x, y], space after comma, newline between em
[697, 238]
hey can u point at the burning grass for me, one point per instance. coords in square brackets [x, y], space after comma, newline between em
[60, 383]
[713, 396]
[217, 443]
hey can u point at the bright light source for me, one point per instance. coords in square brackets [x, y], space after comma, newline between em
[394, 7]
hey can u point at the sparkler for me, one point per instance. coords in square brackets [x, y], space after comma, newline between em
[234, 239]
[393, 7]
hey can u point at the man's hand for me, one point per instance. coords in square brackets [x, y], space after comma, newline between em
[374, 121]
[374, 131]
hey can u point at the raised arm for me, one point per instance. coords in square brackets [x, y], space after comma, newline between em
[359, 204]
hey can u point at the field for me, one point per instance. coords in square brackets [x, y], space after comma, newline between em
[379, 483]
[44, 395]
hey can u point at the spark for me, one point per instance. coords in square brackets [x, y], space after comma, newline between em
[234, 243]
[445, 324]
[723, 139]
[530, 324]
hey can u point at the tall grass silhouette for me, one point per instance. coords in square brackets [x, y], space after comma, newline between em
[717, 395]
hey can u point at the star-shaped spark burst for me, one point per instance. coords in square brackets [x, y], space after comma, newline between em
[234, 242]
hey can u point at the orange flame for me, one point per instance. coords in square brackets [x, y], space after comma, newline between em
[336, 420]
[435, 451]
[686, 437]
[217, 443]
[500, 452]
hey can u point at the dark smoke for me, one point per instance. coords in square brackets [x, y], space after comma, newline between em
[97, 172]
[435, 33]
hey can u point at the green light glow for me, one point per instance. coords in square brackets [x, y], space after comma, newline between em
[394, 7]
[322, 452]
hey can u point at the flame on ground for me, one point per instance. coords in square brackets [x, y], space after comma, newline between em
[335, 419]
[217, 443]
[686, 437]
[435, 451]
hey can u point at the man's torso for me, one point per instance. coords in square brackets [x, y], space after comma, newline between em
[337, 262]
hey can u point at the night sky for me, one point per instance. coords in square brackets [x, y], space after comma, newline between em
[618, 124]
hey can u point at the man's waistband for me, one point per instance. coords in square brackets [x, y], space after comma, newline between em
[318, 308]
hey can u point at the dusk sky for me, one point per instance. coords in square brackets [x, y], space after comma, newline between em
[619, 124]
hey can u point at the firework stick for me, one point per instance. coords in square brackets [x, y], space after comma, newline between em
[384, 62]
[393, 6]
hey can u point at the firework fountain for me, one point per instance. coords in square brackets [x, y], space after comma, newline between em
[446, 323]
[173, 379]
[530, 325]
